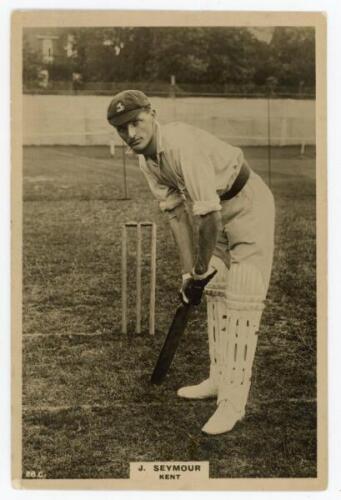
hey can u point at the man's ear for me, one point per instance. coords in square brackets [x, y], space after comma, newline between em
[153, 113]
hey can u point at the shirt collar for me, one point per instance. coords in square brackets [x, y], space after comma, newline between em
[158, 143]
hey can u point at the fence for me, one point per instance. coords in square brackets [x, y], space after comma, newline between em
[81, 120]
[160, 88]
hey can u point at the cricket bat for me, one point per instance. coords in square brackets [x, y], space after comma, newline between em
[171, 343]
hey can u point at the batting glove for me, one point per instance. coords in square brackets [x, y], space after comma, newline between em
[193, 286]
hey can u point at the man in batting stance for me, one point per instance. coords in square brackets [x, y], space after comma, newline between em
[235, 240]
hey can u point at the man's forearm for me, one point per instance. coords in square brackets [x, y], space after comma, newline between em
[182, 230]
[209, 227]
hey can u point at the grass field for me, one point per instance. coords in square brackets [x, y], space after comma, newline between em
[88, 407]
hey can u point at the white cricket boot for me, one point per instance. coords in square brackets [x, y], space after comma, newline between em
[240, 310]
[223, 419]
[205, 390]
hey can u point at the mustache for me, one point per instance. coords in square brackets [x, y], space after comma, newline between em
[133, 141]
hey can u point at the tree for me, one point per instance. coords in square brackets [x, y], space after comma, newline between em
[292, 56]
[198, 55]
[179, 51]
[31, 63]
[98, 53]
[232, 53]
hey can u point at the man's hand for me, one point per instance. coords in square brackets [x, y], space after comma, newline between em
[193, 287]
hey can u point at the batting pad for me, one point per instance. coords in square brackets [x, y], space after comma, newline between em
[235, 302]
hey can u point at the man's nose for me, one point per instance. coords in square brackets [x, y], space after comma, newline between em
[131, 131]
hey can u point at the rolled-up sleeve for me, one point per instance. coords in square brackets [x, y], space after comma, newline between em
[199, 176]
[168, 197]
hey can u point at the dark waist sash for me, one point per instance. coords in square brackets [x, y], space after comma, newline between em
[238, 184]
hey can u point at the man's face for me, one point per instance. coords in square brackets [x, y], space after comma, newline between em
[139, 132]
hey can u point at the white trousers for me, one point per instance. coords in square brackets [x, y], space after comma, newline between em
[236, 295]
[248, 228]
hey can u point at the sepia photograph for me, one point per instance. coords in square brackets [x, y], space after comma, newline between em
[168, 250]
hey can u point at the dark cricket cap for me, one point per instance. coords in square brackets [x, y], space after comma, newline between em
[125, 106]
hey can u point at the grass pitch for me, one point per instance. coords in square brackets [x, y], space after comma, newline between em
[88, 407]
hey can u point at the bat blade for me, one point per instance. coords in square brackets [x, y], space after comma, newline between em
[171, 343]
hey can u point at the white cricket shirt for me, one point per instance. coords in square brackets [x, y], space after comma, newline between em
[193, 164]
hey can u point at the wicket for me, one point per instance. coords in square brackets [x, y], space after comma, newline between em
[139, 226]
